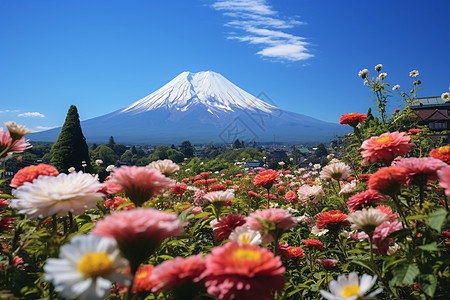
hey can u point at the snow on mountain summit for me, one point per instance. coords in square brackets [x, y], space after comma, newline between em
[207, 88]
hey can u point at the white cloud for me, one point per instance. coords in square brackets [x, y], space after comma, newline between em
[31, 114]
[42, 128]
[8, 111]
[261, 25]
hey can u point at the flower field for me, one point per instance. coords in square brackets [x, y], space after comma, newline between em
[370, 222]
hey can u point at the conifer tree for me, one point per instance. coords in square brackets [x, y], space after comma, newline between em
[70, 149]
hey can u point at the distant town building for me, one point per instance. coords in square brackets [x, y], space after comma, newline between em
[432, 112]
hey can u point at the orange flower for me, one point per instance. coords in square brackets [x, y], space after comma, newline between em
[28, 174]
[352, 119]
[313, 244]
[266, 179]
[442, 153]
[385, 146]
[388, 180]
[333, 220]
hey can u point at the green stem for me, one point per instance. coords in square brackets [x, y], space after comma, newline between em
[400, 210]
[268, 197]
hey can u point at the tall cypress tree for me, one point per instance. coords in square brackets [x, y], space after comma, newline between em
[71, 150]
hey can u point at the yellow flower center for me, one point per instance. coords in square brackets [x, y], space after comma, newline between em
[245, 239]
[246, 254]
[444, 149]
[383, 139]
[351, 290]
[95, 264]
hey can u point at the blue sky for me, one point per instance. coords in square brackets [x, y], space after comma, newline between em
[303, 54]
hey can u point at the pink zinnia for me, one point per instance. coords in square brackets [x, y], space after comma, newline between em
[328, 263]
[226, 224]
[386, 146]
[364, 199]
[178, 189]
[388, 211]
[291, 197]
[266, 178]
[281, 220]
[420, 170]
[380, 235]
[444, 179]
[140, 184]
[178, 272]
[138, 232]
[28, 174]
[243, 271]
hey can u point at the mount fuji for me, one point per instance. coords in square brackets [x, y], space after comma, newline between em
[202, 107]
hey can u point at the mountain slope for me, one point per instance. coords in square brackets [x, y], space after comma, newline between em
[202, 107]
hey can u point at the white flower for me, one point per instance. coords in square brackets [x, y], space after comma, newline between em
[110, 168]
[71, 169]
[363, 73]
[337, 171]
[243, 234]
[378, 67]
[382, 76]
[317, 166]
[445, 96]
[98, 162]
[219, 196]
[304, 218]
[306, 191]
[351, 288]
[396, 87]
[318, 231]
[281, 163]
[86, 267]
[367, 219]
[15, 130]
[414, 73]
[165, 166]
[349, 188]
[49, 195]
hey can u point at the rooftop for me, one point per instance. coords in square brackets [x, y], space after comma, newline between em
[429, 102]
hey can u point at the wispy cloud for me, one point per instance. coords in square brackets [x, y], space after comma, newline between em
[42, 128]
[31, 114]
[261, 25]
[8, 111]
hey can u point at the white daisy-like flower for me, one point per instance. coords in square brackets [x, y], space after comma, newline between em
[317, 166]
[86, 268]
[378, 67]
[306, 191]
[445, 97]
[414, 73]
[337, 171]
[110, 168]
[318, 231]
[16, 131]
[349, 188]
[382, 76]
[71, 169]
[396, 87]
[363, 73]
[98, 162]
[351, 288]
[219, 196]
[243, 234]
[165, 166]
[367, 219]
[49, 195]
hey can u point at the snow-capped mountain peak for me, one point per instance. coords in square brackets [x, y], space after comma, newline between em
[207, 88]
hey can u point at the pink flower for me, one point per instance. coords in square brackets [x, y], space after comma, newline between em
[28, 174]
[364, 199]
[266, 178]
[243, 271]
[280, 219]
[20, 145]
[388, 180]
[140, 184]
[386, 146]
[444, 179]
[226, 224]
[420, 170]
[178, 272]
[138, 232]
[388, 211]
[142, 281]
[380, 235]
[328, 263]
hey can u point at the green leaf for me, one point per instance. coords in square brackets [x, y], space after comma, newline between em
[405, 274]
[437, 219]
[429, 247]
[428, 283]
[364, 264]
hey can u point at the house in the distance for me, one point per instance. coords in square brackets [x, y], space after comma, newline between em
[433, 112]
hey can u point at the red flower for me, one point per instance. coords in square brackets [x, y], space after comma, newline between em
[239, 175]
[252, 194]
[179, 273]
[5, 223]
[414, 131]
[228, 182]
[205, 174]
[271, 196]
[314, 244]
[364, 199]
[243, 271]
[226, 224]
[352, 119]
[295, 252]
[118, 201]
[386, 146]
[212, 180]
[388, 180]
[333, 220]
[28, 174]
[266, 179]
[364, 177]
[217, 187]
[328, 263]
[178, 189]
[281, 190]
[442, 153]
[291, 197]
